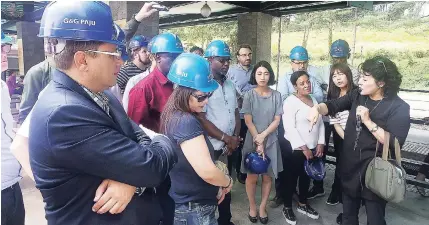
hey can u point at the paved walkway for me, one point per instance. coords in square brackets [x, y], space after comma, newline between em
[413, 211]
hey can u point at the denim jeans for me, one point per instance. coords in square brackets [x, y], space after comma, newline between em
[195, 214]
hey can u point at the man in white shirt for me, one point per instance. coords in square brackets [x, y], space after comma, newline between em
[299, 61]
[222, 110]
[12, 204]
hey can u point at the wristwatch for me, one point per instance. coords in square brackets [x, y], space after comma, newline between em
[374, 129]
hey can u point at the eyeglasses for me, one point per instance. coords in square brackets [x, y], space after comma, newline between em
[116, 54]
[385, 69]
[246, 55]
[6, 48]
[223, 60]
[201, 98]
[300, 63]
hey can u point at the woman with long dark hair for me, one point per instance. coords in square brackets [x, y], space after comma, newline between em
[340, 84]
[197, 184]
[374, 108]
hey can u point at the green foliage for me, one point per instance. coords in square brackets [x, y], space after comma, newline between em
[393, 30]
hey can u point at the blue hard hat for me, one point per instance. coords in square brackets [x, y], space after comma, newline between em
[340, 49]
[79, 21]
[315, 168]
[121, 38]
[217, 48]
[138, 41]
[256, 164]
[192, 71]
[166, 42]
[5, 39]
[299, 53]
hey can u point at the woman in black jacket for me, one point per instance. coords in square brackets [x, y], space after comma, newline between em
[374, 108]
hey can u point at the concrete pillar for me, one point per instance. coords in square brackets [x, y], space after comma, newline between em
[30, 46]
[124, 11]
[255, 29]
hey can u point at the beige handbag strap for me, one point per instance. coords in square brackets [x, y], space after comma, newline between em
[386, 152]
[398, 152]
[386, 145]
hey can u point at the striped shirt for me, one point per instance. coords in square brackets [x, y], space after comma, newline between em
[340, 118]
[128, 70]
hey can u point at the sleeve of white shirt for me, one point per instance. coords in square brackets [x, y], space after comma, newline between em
[24, 130]
[291, 133]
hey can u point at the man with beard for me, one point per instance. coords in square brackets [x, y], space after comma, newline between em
[239, 74]
[139, 63]
[222, 109]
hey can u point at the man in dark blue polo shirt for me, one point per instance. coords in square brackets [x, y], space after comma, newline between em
[80, 134]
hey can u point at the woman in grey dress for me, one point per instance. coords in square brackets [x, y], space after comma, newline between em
[262, 109]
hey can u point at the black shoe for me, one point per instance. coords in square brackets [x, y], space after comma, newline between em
[276, 202]
[333, 199]
[340, 218]
[314, 193]
[241, 177]
[264, 220]
[289, 216]
[253, 219]
[307, 210]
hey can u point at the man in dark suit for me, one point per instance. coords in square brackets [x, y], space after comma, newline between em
[80, 134]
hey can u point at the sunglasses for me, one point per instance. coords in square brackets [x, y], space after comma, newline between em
[201, 98]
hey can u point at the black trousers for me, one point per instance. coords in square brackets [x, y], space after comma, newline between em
[225, 206]
[375, 211]
[12, 206]
[318, 185]
[293, 170]
[338, 146]
[236, 156]
[424, 169]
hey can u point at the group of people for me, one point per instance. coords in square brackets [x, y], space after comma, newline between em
[155, 140]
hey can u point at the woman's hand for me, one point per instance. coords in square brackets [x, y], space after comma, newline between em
[308, 154]
[363, 112]
[319, 150]
[313, 116]
[259, 139]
